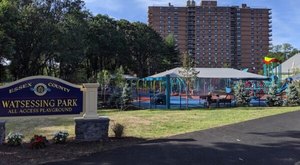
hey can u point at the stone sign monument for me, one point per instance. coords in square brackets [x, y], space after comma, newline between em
[43, 95]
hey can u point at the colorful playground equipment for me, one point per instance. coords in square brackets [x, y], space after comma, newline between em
[169, 89]
[272, 68]
[285, 85]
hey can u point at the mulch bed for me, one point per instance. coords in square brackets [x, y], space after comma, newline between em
[55, 152]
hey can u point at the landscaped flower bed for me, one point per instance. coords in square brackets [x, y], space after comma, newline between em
[23, 155]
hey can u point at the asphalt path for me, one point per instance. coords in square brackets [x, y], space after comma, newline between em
[271, 140]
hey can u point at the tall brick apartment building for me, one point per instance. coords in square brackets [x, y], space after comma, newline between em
[216, 36]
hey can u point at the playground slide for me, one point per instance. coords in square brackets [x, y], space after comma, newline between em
[283, 87]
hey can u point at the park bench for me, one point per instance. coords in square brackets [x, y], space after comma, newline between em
[218, 100]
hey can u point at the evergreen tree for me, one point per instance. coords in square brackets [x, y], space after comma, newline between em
[241, 94]
[126, 97]
[273, 99]
[119, 80]
[293, 95]
[118, 83]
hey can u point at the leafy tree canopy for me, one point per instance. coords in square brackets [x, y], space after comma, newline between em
[61, 38]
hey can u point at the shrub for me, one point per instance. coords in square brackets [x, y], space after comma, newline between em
[38, 141]
[118, 129]
[241, 94]
[273, 99]
[60, 137]
[293, 95]
[14, 139]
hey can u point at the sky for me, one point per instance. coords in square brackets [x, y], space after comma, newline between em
[285, 13]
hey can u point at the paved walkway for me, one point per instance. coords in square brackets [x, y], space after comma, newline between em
[272, 140]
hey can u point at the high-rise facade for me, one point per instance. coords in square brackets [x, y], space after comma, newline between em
[216, 36]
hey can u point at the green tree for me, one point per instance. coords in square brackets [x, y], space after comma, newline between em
[73, 29]
[2, 73]
[104, 78]
[189, 74]
[33, 39]
[289, 50]
[283, 52]
[127, 46]
[241, 94]
[8, 17]
[126, 97]
[119, 79]
[147, 50]
[293, 95]
[273, 99]
[61, 38]
[103, 46]
[117, 96]
[39, 37]
[171, 58]
[34, 36]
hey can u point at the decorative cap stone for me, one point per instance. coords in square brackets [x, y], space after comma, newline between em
[91, 85]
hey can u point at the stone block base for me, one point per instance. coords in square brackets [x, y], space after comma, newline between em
[91, 129]
[2, 132]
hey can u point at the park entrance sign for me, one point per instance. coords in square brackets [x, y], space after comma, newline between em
[40, 95]
[43, 95]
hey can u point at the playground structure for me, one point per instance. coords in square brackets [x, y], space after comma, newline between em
[168, 90]
[152, 93]
[279, 72]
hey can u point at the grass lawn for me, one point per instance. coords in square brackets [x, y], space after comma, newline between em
[148, 124]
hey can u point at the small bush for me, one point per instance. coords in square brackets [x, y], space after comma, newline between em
[14, 139]
[60, 137]
[118, 129]
[38, 141]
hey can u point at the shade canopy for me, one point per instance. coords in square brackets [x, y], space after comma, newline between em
[209, 73]
[126, 77]
[296, 77]
[290, 65]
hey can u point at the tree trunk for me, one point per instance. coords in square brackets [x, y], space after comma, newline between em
[187, 97]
